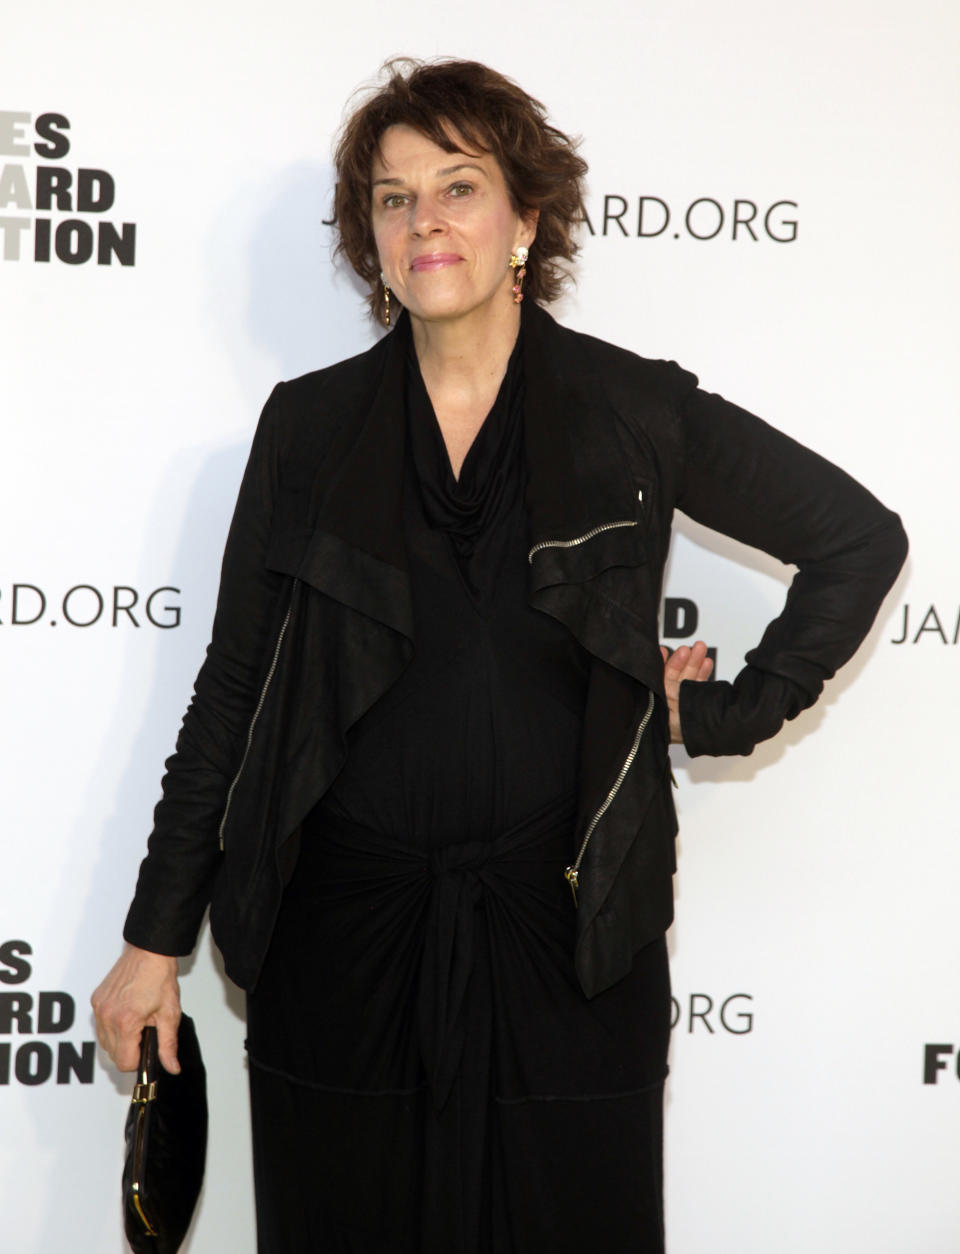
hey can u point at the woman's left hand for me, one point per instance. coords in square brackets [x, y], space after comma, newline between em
[683, 663]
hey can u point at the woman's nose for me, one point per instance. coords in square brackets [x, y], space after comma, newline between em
[426, 218]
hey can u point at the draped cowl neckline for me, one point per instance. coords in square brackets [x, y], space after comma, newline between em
[466, 507]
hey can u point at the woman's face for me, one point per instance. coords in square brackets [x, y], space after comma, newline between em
[444, 227]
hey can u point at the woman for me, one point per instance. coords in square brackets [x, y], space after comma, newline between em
[424, 780]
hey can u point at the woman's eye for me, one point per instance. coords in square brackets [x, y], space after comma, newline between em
[393, 200]
[461, 189]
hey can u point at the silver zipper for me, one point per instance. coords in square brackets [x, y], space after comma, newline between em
[587, 535]
[253, 722]
[572, 873]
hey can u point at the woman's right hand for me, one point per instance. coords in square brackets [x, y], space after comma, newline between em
[141, 989]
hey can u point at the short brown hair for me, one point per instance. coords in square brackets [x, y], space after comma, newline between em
[539, 163]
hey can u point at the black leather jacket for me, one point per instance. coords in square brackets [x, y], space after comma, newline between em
[314, 623]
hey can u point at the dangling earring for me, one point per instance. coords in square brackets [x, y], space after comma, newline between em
[386, 300]
[518, 263]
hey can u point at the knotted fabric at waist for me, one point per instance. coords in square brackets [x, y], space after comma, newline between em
[462, 887]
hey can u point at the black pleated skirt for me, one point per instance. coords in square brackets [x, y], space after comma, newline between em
[426, 1074]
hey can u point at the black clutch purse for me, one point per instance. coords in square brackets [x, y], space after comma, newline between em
[166, 1145]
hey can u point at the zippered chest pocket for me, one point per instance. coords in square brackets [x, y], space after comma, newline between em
[617, 542]
[576, 541]
[621, 536]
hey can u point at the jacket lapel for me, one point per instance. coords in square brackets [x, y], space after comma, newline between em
[582, 494]
[355, 552]
[584, 507]
[578, 475]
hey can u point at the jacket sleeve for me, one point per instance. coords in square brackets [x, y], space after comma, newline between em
[176, 876]
[743, 478]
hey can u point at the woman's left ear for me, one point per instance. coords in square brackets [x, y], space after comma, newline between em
[528, 221]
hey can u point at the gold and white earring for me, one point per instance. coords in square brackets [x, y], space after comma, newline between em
[518, 263]
[386, 300]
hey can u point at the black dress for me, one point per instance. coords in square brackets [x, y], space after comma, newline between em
[426, 1074]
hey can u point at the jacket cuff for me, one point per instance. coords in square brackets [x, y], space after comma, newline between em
[719, 718]
[171, 932]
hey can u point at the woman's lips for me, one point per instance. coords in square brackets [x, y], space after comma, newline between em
[434, 261]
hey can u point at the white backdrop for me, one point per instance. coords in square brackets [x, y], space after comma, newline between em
[816, 948]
